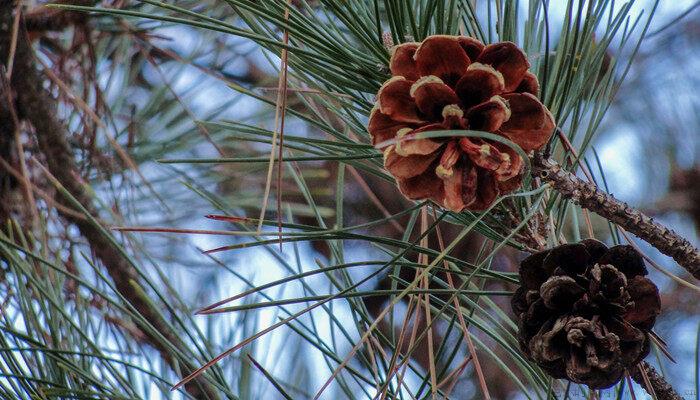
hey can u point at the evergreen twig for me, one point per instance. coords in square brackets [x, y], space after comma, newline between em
[42, 18]
[660, 389]
[590, 197]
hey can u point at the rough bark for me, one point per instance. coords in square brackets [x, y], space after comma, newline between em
[38, 108]
[7, 127]
[659, 387]
[42, 18]
[607, 206]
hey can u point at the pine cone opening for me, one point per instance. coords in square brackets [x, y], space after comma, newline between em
[585, 311]
[456, 82]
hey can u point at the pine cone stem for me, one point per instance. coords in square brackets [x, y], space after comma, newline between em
[588, 196]
[659, 387]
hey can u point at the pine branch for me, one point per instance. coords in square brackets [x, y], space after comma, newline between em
[7, 127]
[38, 108]
[661, 389]
[42, 18]
[588, 196]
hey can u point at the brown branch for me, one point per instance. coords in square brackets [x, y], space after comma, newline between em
[42, 18]
[39, 109]
[660, 389]
[8, 183]
[588, 196]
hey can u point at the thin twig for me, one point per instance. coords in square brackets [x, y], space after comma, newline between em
[282, 95]
[588, 196]
[7, 110]
[655, 384]
[43, 19]
[13, 41]
[280, 109]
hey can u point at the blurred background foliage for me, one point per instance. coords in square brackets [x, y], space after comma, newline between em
[170, 117]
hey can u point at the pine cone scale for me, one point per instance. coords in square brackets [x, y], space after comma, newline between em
[587, 309]
[458, 83]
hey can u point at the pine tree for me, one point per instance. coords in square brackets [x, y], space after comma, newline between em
[331, 198]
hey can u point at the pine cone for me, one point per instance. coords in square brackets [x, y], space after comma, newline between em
[455, 82]
[585, 311]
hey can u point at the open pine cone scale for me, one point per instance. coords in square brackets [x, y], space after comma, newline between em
[458, 83]
[585, 311]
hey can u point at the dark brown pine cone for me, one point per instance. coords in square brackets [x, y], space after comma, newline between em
[585, 311]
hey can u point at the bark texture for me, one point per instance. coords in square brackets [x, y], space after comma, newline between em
[42, 18]
[659, 387]
[607, 206]
[7, 128]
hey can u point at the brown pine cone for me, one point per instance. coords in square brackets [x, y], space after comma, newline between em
[585, 311]
[457, 83]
